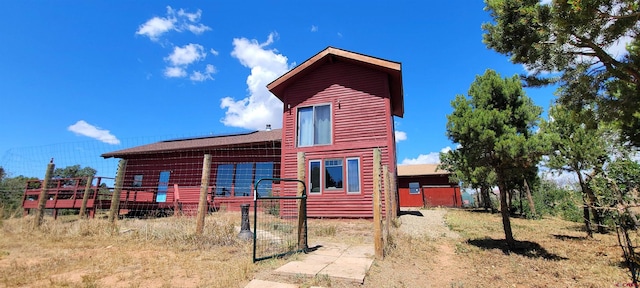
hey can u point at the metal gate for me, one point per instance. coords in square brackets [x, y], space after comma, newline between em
[279, 220]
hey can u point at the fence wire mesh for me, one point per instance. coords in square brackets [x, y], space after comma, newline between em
[163, 178]
[280, 223]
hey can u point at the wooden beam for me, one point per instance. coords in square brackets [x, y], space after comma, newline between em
[302, 204]
[204, 187]
[42, 200]
[377, 206]
[115, 197]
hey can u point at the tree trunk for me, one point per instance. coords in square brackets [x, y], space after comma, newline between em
[532, 206]
[585, 209]
[504, 210]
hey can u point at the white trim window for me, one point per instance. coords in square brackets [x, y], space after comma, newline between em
[333, 174]
[315, 179]
[353, 175]
[314, 125]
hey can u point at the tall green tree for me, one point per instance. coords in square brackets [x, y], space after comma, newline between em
[576, 40]
[578, 145]
[463, 166]
[496, 122]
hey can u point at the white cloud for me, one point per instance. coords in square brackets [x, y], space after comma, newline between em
[174, 72]
[85, 129]
[545, 2]
[203, 76]
[173, 21]
[260, 107]
[431, 158]
[214, 52]
[186, 55]
[400, 136]
[314, 28]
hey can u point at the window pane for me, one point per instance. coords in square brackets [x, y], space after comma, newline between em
[414, 188]
[353, 174]
[333, 174]
[314, 167]
[322, 117]
[264, 170]
[305, 126]
[244, 178]
[137, 181]
[224, 180]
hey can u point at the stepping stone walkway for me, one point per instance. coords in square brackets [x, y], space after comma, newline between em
[336, 260]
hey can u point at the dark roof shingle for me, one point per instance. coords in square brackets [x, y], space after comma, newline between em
[274, 135]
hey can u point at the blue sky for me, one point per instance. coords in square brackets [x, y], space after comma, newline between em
[109, 75]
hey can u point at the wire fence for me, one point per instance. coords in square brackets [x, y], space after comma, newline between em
[280, 222]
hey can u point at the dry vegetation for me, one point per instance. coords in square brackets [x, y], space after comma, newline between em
[166, 253]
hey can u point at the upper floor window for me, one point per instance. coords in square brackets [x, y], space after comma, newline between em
[314, 125]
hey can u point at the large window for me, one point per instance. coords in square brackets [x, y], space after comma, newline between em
[314, 125]
[353, 175]
[333, 174]
[244, 178]
[264, 170]
[224, 180]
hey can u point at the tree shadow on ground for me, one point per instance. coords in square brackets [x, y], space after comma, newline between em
[524, 248]
[482, 210]
[569, 237]
[414, 213]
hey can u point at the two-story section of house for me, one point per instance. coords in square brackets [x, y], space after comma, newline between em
[339, 106]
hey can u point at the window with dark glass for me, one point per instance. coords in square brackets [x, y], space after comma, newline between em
[264, 170]
[137, 180]
[333, 178]
[244, 178]
[224, 179]
[314, 125]
[414, 188]
[314, 172]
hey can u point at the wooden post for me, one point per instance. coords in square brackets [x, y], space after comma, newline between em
[115, 197]
[302, 204]
[394, 197]
[42, 199]
[204, 188]
[387, 204]
[85, 197]
[377, 206]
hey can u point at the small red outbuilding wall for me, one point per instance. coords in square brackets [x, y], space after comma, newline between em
[428, 191]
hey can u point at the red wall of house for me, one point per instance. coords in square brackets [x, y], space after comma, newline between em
[186, 169]
[436, 190]
[361, 121]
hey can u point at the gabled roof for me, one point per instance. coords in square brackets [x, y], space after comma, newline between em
[331, 54]
[420, 170]
[274, 135]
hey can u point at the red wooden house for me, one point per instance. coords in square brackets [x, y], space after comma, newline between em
[424, 185]
[338, 107]
[168, 174]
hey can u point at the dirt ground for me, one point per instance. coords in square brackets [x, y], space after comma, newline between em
[422, 252]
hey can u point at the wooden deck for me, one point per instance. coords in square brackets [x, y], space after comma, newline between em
[68, 193]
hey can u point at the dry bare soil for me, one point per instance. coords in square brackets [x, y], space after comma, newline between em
[429, 248]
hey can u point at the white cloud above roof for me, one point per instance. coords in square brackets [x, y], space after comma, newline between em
[85, 129]
[178, 21]
[400, 136]
[174, 72]
[430, 158]
[186, 55]
[260, 107]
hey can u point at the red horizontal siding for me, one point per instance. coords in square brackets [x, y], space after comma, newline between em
[361, 121]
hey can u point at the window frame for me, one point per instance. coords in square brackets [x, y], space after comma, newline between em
[411, 189]
[313, 140]
[342, 174]
[137, 180]
[359, 176]
[310, 184]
